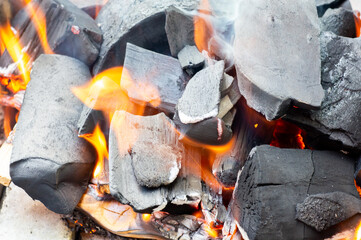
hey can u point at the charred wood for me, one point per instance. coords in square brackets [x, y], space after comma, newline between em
[324, 5]
[162, 74]
[191, 59]
[339, 21]
[142, 24]
[272, 183]
[48, 160]
[70, 31]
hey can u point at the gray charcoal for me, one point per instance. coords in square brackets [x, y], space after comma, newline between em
[77, 35]
[212, 206]
[272, 183]
[179, 27]
[271, 79]
[191, 59]
[133, 169]
[201, 97]
[138, 22]
[162, 72]
[88, 120]
[226, 84]
[339, 21]
[212, 131]
[322, 211]
[228, 101]
[324, 5]
[48, 160]
[338, 117]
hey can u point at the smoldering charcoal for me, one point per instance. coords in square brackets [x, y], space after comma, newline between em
[48, 160]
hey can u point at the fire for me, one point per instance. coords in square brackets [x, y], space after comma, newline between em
[357, 16]
[203, 29]
[211, 232]
[146, 217]
[39, 20]
[358, 232]
[287, 135]
[97, 139]
[17, 53]
[99, 5]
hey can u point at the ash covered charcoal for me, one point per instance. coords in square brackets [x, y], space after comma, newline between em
[191, 59]
[145, 152]
[138, 22]
[339, 21]
[70, 31]
[322, 211]
[179, 28]
[149, 69]
[338, 117]
[272, 183]
[48, 160]
[201, 96]
[88, 120]
[271, 79]
[213, 209]
[324, 5]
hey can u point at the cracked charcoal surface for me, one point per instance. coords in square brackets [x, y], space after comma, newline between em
[322, 211]
[339, 21]
[162, 72]
[63, 16]
[48, 160]
[338, 117]
[270, 79]
[273, 181]
[138, 22]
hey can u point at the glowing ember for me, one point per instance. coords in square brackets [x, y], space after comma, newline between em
[358, 232]
[211, 232]
[146, 217]
[97, 139]
[75, 30]
[287, 135]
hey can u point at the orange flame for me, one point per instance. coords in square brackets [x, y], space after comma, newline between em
[97, 139]
[287, 135]
[13, 46]
[358, 232]
[99, 5]
[357, 16]
[146, 217]
[203, 29]
[211, 232]
[39, 20]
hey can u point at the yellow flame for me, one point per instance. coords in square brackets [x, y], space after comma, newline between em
[358, 232]
[15, 50]
[39, 20]
[146, 217]
[211, 232]
[97, 139]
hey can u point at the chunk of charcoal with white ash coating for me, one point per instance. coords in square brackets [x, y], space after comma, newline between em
[77, 35]
[339, 21]
[48, 160]
[213, 209]
[269, 79]
[162, 74]
[129, 178]
[179, 27]
[201, 97]
[88, 120]
[226, 84]
[191, 59]
[142, 24]
[272, 183]
[339, 113]
[228, 101]
[324, 5]
[322, 211]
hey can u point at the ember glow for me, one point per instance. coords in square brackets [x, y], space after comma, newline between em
[97, 139]
[287, 135]
[358, 232]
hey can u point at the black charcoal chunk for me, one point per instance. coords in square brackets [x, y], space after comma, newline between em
[179, 27]
[201, 97]
[149, 70]
[48, 160]
[70, 32]
[271, 79]
[339, 21]
[338, 117]
[138, 22]
[272, 183]
[324, 5]
[191, 59]
[145, 152]
[322, 211]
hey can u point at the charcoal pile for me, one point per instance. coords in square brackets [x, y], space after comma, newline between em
[183, 119]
